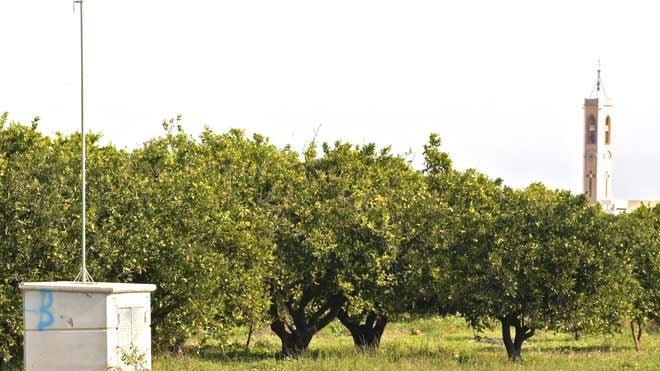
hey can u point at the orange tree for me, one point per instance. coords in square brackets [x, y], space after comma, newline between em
[193, 218]
[539, 262]
[305, 295]
[529, 259]
[40, 214]
[637, 237]
[378, 222]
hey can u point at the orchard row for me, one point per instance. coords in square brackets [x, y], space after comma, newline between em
[237, 232]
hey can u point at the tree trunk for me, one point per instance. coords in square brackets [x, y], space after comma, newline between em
[365, 336]
[296, 337]
[176, 349]
[637, 337]
[295, 343]
[250, 331]
[577, 335]
[506, 338]
[514, 346]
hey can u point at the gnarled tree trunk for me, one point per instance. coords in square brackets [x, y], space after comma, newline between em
[296, 336]
[294, 341]
[514, 346]
[366, 335]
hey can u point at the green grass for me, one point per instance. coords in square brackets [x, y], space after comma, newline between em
[425, 344]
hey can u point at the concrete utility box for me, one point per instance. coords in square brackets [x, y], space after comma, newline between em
[73, 326]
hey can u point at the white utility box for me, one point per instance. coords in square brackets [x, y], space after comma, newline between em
[73, 326]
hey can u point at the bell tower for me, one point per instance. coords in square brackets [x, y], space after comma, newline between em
[597, 177]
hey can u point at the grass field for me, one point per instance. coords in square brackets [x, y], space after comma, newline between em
[425, 344]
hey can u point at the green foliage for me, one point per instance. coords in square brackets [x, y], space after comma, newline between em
[636, 238]
[531, 259]
[38, 219]
[197, 219]
[535, 259]
[236, 232]
[191, 216]
[132, 358]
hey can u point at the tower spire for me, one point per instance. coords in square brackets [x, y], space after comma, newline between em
[595, 91]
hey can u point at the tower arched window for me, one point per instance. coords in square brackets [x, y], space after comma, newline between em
[608, 130]
[590, 189]
[591, 130]
[607, 185]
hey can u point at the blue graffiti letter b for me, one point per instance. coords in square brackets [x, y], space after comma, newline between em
[46, 318]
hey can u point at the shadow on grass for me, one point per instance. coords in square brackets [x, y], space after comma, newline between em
[232, 354]
[583, 349]
[458, 337]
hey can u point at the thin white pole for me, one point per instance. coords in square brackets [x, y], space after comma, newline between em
[84, 276]
[84, 153]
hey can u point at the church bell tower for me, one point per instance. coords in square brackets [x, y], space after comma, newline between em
[598, 146]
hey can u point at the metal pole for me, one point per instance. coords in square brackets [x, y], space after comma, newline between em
[84, 276]
[82, 133]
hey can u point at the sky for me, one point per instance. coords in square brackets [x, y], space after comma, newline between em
[502, 82]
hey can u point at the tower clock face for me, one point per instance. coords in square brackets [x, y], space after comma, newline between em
[591, 156]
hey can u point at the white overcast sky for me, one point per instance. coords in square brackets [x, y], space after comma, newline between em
[502, 82]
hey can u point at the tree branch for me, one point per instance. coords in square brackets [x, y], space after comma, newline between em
[332, 314]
